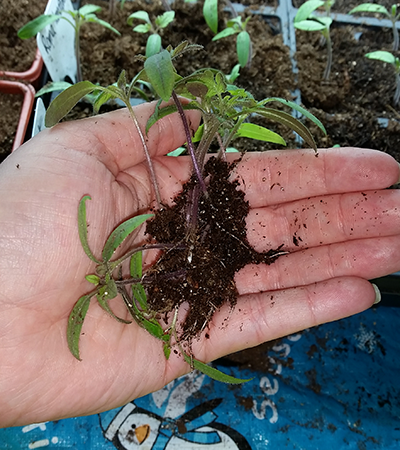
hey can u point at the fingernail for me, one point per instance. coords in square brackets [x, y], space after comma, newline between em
[398, 182]
[378, 296]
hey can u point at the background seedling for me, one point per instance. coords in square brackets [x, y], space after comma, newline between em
[243, 41]
[86, 14]
[153, 44]
[306, 21]
[378, 9]
[387, 57]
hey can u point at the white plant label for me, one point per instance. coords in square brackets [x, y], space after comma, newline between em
[56, 43]
[38, 119]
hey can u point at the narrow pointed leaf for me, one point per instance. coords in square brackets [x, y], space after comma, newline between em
[298, 108]
[104, 24]
[53, 86]
[161, 74]
[105, 294]
[213, 373]
[35, 26]
[151, 326]
[65, 101]
[210, 13]
[121, 233]
[289, 121]
[252, 131]
[179, 151]
[75, 322]
[224, 33]
[136, 272]
[82, 228]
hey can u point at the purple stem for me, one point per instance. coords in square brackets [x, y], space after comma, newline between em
[189, 141]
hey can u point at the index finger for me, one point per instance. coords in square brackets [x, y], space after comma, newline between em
[282, 176]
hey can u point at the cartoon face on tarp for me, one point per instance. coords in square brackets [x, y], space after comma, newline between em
[133, 427]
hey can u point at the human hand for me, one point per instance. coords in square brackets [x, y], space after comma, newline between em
[330, 211]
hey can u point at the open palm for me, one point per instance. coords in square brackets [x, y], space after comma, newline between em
[330, 212]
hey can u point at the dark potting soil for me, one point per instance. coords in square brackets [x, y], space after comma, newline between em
[209, 248]
[105, 55]
[17, 55]
[356, 103]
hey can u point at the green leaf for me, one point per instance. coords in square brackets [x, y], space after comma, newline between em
[243, 46]
[224, 33]
[136, 272]
[210, 13]
[383, 56]
[82, 228]
[235, 72]
[199, 134]
[103, 23]
[161, 74]
[121, 233]
[94, 279]
[35, 26]
[65, 101]
[289, 121]
[197, 89]
[121, 82]
[53, 86]
[151, 326]
[370, 7]
[159, 113]
[140, 15]
[102, 98]
[142, 28]
[298, 108]
[89, 9]
[310, 25]
[107, 293]
[136, 265]
[177, 152]
[167, 350]
[165, 19]
[307, 8]
[213, 373]
[250, 130]
[153, 45]
[235, 21]
[75, 322]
